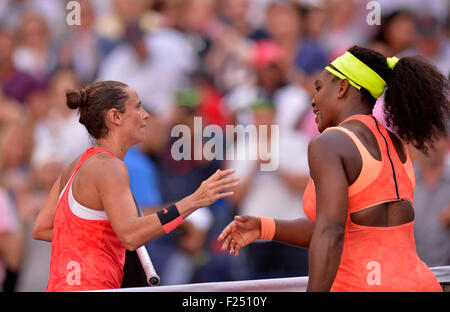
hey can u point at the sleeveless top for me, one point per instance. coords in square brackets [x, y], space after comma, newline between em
[377, 258]
[86, 253]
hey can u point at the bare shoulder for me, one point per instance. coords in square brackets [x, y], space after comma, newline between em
[104, 169]
[398, 143]
[334, 152]
[330, 143]
[105, 161]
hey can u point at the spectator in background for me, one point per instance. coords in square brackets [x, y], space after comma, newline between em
[432, 205]
[156, 65]
[267, 61]
[11, 244]
[59, 135]
[396, 35]
[274, 193]
[84, 47]
[433, 44]
[15, 179]
[302, 56]
[130, 10]
[290, 99]
[10, 110]
[16, 145]
[198, 17]
[287, 46]
[170, 13]
[12, 12]
[232, 38]
[16, 176]
[26, 196]
[436, 8]
[35, 53]
[236, 13]
[314, 19]
[37, 106]
[16, 84]
[344, 26]
[211, 106]
[283, 24]
[176, 256]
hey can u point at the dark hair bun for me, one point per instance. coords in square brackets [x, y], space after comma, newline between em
[76, 99]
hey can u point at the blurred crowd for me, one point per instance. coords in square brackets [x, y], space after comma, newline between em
[231, 62]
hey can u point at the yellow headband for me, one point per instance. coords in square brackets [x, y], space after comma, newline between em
[358, 74]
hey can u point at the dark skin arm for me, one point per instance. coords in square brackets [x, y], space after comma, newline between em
[325, 237]
[297, 232]
[330, 180]
[246, 229]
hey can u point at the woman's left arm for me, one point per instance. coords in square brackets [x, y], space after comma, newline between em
[330, 180]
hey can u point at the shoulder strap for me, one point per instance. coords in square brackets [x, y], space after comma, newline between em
[361, 148]
[370, 167]
[86, 155]
[92, 151]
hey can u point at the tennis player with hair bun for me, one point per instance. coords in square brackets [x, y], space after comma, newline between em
[90, 214]
[359, 200]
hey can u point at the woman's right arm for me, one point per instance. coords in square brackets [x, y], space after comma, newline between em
[43, 226]
[296, 232]
[246, 229]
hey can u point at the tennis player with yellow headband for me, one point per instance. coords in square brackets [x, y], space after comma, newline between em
[360, 219]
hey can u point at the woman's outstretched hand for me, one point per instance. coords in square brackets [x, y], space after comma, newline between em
[215, 187]
[242, 231]
[218, 185]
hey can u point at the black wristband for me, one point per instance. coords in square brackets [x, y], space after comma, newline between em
[170, 218]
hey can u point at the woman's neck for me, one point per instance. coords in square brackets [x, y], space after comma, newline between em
[115, 146]
[354, 110]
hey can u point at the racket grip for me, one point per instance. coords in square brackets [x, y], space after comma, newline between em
[150, 273]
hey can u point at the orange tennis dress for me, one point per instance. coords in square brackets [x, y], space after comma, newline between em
[377, 258]
[86, 254]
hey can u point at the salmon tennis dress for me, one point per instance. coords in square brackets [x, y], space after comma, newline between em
[377, 258]
[86, 253]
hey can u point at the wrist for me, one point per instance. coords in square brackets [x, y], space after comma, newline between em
[186, 206]
[170, 218]
[267, 231]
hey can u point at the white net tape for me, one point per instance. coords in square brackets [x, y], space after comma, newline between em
[292, 284]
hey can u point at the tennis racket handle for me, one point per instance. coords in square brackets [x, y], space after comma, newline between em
[150, 273]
